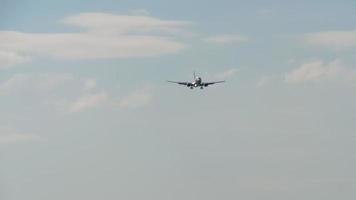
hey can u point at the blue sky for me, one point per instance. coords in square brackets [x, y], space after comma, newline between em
[86, 112]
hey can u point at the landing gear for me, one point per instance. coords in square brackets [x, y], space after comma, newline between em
[201, 87]
[191, 87]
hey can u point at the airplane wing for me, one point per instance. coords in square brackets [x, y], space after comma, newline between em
[181, 83]
[211, 83]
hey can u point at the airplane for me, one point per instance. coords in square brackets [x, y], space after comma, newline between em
[196, 83]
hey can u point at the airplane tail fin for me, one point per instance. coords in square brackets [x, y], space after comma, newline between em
[194, 75]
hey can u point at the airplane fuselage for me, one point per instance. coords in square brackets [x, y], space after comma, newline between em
[197, 82]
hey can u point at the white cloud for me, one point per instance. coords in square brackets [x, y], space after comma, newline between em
[227, 73]
[69, 94]
[137, 99]
[9, 58]
[13, 138]
[90, 46]
[140, 12]
[10, 136]
[55, 90]
[41, 82]
[89, 84]
[122, 24]
[104, 36]
[263, 81]
[227, 39]
[336, 40]
[87, 101]
[321, 71]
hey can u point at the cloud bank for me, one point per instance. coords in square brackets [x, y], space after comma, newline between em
[336, 40]
[69, 94]
[87, 102]
[137, 99]
[227, 39]
[226, 74]
[318, 71]
[11, 136]
[102, 36]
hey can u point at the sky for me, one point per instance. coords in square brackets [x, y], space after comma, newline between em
[86, 112]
